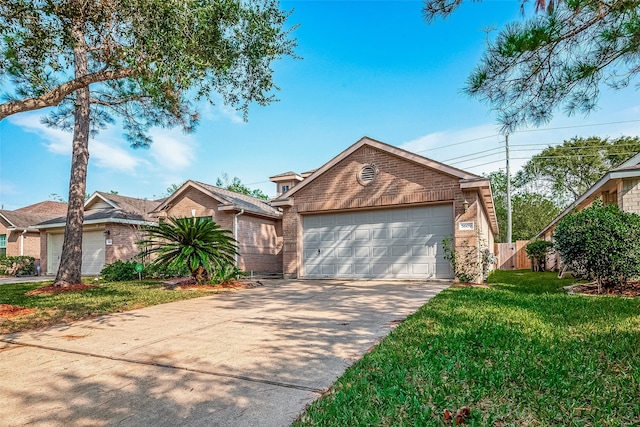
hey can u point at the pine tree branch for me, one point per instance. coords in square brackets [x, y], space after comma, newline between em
[55, 96]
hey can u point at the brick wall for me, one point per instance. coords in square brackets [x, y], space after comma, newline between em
[629, 195]
[123, 242]
[399, 182]
[259, 239]
[259, 244]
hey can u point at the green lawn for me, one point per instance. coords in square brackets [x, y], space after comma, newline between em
[523, 353]
[107, 298]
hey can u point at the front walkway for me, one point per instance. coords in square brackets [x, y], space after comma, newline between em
[252, 357]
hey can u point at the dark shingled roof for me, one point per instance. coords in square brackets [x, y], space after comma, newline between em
[34, 214]
[242, 201]
[129, 208]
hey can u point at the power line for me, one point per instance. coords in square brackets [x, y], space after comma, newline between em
[472, 154]
[475, 158]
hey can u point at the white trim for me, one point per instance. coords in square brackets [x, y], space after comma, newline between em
[97, 195]
[7, 219]
[100, 221]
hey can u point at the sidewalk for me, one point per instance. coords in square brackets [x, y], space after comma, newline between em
[25, 279]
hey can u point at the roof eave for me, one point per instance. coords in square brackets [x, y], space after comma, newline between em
[621, 174]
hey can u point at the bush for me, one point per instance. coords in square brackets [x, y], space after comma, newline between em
[17, 265]
[602, 241]
[227, 273]
[119, 271]
[537, 252]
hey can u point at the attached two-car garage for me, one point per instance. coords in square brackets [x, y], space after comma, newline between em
[404, 243]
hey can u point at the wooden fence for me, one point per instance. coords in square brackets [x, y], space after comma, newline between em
[512, 256]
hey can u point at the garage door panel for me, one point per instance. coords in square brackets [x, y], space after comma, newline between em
[380, 251]
[344, 252]
[399, 242]
[361, 235]
[380, 234]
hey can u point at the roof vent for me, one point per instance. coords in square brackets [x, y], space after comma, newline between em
[367, 174]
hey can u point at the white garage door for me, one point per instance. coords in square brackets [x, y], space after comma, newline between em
[92, 252]
[391, 243]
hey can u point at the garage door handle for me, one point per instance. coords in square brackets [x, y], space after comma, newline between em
[318, 252]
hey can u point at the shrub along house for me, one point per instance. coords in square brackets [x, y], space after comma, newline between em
[377, 211]
[620, 186]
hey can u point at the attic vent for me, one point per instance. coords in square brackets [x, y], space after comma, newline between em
[367, 174]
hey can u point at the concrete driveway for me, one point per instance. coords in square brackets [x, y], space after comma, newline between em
[255, 357]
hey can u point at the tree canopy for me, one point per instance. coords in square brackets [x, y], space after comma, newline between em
[564, 172]
[531, 212]
[559, 58]
[144, 62]
[237, 186]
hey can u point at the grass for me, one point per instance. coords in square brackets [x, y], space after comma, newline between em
[109, 297]
[523, 353]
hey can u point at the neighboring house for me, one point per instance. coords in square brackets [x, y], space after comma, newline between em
[18, 236]
[377, 211]
[111, 229]
[620, 186]
[255, 224]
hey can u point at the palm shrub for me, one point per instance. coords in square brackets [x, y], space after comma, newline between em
[601, 241]
[197, 243]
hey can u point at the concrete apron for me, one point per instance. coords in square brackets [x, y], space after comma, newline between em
[253, 357]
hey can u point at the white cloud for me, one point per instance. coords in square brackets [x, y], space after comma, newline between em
[172, 149]
[107, 155]
[220, 111]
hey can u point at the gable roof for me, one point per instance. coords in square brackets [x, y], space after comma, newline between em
[229, 200]
[48, 207]
[395, 151]
[628, 169]
[121, 209]
[467, 180]
[23, 218]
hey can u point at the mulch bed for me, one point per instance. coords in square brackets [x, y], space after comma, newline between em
[7, 311]
[51, 289]
[629, 289]
[189, 284]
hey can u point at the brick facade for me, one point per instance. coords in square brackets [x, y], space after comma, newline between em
[259, 238]
[629, 195]
[123, 245]
[398, 183]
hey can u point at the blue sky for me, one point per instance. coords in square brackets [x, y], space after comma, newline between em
[371, 68]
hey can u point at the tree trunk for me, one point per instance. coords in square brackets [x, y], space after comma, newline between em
[70, 269]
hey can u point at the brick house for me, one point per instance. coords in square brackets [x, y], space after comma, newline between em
[18, 237]
[255, 224]
[111, 229]
[620, 186]
[377, 211]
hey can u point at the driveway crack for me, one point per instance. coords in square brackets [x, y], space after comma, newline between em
[168, 366]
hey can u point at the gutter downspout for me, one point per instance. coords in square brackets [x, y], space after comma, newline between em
[235, 232]
[22, 242]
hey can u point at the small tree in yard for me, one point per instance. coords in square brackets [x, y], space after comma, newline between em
[602, 241]
[198, 243]
[537, 252]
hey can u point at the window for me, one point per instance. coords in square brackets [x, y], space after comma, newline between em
[285, 188]
[3, 244]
